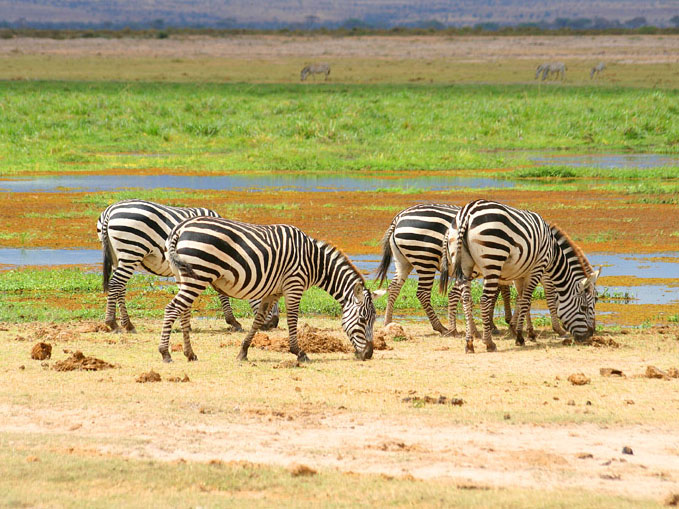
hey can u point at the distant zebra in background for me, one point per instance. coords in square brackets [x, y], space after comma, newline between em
[133, 235]
[315, 69]
[415, 239]
[504, 244]
[547, 69]
[597, 69]
[249, 261]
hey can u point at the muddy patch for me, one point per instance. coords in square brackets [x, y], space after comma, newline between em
[79, 362]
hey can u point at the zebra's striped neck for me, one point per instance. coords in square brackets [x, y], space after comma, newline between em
[336, 274]
[569, 264]
[571, 250]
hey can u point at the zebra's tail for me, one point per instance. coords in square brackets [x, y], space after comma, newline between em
[179, 265]
[445, 264]
[385, 263]
[106, 249]
[460, 244]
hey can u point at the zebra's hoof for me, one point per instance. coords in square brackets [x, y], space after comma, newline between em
[469, 347]
[451, 333]
[112, 326]
[191, 357]
[302, 357]
[235, 328]
[167, 359]
[495, 331]
[491, 347]
[520, 341]
[131, 330]
[242, 355]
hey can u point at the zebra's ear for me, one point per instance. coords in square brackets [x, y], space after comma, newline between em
[358, 293]
[378, 293]
[583, 284]
[595, 275]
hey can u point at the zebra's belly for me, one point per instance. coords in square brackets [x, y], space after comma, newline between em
[231, 287]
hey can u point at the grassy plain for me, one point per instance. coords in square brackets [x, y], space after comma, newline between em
[71, 127]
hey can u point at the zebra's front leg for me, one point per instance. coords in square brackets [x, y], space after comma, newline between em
[523, 304]
[424, 296]
[550, 296]
[260, 317]
[506, 292]
[125, 273]
[235, 325]
[292, 306]
[488, 299]
[186, 331]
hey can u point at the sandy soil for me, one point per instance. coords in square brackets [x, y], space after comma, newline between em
[542, 457]
[648, 49]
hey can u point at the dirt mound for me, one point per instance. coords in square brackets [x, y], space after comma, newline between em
[177, 379]
[433, 400]
[392, 332]
[78, 361]
[298, 470]
[151, 376]
[578, 379]
[91, 327]
[41, 351]
[653, 372]
[595, 341]
[310, 339]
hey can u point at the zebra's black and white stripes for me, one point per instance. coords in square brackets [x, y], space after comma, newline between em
[251, 261]
[504, 244]
[133, 235]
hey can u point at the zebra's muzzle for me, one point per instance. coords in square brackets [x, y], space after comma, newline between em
[366, 354]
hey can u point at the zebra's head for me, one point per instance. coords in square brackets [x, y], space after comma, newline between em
[358, 319]
[577, 314]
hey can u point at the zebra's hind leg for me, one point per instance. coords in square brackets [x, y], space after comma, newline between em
[488, 299]
[186, 329]
[272, 317]
[116, 297]
[469, 318]
[178, 306]
[424, 296]
[402, 271]
[260, 317]
[235, 325]
[454, 296]
[506, 292]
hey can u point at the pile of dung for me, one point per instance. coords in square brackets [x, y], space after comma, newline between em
[151, 376]
[78, 361]
[41, 351]
[310, 340]
[392, 332]
[86, 327]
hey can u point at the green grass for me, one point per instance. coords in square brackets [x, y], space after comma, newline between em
[78, 126]
[74, 293]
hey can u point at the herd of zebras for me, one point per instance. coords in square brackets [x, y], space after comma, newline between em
[554, 69]
[262, 263]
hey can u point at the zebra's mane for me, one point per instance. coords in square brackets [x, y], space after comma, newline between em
[584, 262]
[324, 244]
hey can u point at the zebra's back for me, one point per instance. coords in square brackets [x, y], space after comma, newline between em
[136, 230]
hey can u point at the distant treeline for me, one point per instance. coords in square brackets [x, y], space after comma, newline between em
[150, 33]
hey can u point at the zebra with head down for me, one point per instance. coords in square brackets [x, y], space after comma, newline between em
[315, 69]
[597, 69]
[554, 68]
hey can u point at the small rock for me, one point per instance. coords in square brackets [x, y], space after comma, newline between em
[297, 470]
[41, 351]
[177, 348]
[32, 459]
[673, 373]
[629, 402]
[578, 379]
[507, 417]
[22, 367]
[589, 403]
[653, 372]
[288, 364]
[610, 477]
[571, 402]
[611, 372]
[584, 455]
[627, 450]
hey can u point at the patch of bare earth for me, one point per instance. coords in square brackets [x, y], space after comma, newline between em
[542, 457]
[646, 49]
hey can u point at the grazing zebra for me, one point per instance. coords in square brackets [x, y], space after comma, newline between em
[415, 239]
[315, 69]
[597, 69]
[504, 244]
[133, 235]
[249, 261]
[557, 68]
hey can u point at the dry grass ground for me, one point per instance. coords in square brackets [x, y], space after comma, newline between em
[632, 60]
[524, 434]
